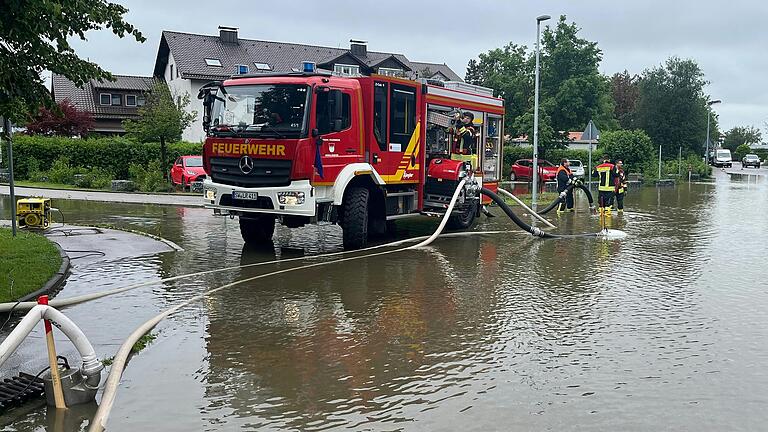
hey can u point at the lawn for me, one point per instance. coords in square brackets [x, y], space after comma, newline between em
[26, 263]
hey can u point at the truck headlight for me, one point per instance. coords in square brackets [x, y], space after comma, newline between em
[290, 198]
[210, 194]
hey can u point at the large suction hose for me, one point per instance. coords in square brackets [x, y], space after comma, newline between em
[516, 219]
[562, 195]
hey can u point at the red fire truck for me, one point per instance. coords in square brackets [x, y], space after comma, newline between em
[304, 147]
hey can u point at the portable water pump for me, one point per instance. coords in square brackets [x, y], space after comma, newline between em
[34, 213]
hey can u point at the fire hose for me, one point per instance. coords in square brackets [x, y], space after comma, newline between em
[561, 197]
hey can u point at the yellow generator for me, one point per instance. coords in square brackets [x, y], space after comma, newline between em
[34, 213]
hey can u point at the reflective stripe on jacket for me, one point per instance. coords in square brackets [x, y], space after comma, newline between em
[605, 173]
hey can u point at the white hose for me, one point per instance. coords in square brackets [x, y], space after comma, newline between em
[118, 365]
[91, 364]
[517, 200]
[61, 303]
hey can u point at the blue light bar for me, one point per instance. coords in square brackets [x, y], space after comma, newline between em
[308, 67]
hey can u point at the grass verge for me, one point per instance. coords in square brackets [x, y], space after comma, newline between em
[26, 263]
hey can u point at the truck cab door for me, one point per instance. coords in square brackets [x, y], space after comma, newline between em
[337, 112]
[396, 154]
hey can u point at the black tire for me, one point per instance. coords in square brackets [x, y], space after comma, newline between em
[257, 230]
[354, 221]
[464, 220]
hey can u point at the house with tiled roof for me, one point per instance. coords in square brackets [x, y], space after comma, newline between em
[110, 102]
[186, 61]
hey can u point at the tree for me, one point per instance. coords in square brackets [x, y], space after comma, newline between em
[63, 120]
[626, 90]
[672, 107]
[34, 37]
[572, 89]
[739, 135]
[634, 147]
[162, 118]
[509, 72]
[741, 150]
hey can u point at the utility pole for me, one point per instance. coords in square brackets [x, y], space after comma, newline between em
[9, 136]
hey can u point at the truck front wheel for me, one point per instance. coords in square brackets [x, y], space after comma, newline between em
[465, 219]
[354, 221]
[257, 230]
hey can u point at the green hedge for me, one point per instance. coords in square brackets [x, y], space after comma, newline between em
[114, 155]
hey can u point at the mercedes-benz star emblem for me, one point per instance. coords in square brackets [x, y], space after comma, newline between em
[246, 164]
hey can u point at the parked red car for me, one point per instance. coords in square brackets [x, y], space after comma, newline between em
[522, 169]
[186, 170]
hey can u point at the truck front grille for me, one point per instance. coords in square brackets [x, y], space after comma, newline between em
[265, 172]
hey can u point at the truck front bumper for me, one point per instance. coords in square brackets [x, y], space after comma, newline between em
[296, 199]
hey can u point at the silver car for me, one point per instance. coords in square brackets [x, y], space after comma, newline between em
[577, 168]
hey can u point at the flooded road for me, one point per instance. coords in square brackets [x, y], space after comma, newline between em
[663, 330]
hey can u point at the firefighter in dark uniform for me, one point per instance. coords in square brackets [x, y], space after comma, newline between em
[621, 185]
[606, 185]
[464, 134]
[565, 178]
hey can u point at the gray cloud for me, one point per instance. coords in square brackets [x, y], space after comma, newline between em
[727, 39]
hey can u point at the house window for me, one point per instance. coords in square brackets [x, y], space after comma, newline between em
[130, 100]
[140, 101]
[213, 62]
[105, 99]
[241, 69]
[391, 72]
[117, 99]
[171, 74]
[346, 70]
[262, 66]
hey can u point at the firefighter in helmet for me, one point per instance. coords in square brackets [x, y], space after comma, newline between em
[464, 134]
[606, 185]
[564, 179]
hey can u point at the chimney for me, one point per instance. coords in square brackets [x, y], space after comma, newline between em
[228, 35]
[358, 48]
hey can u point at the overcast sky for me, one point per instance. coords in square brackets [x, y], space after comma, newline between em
[727, 38]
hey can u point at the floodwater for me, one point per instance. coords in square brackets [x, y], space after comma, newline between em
[666, 329]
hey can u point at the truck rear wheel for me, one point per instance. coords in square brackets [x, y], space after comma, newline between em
[354, 220]
[257, 230]
[465, 219]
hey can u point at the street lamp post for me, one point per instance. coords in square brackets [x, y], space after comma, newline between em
[709, 114]
[539, 19]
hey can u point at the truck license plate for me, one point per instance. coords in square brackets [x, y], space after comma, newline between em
[241, 195]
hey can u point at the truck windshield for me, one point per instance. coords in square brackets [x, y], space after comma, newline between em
[268, 110]
[723, 154]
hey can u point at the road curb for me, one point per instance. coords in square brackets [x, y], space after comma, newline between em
[54, 284]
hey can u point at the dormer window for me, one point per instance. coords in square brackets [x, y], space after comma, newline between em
[213, 62]
[390, 72]
[241, 69]
[346, 70]
[262, 66]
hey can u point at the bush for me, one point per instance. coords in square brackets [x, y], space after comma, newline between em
[96, 178]
[113, 154]
[741, 151]
[670, 168]
[149, 179]
[634, 147]
[62, 172]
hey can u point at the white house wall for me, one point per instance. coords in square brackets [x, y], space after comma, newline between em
[180, 87]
